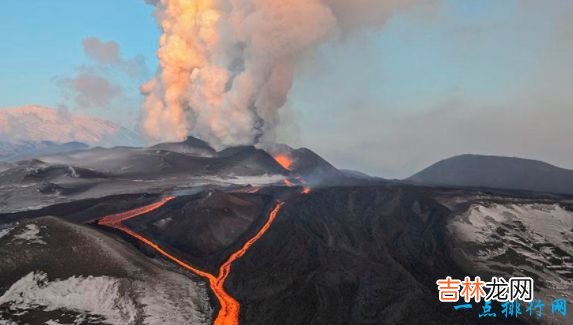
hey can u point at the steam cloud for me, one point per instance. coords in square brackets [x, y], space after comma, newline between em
[99, 84]
[226, 66]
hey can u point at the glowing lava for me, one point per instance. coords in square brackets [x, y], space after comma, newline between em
[284, 160]
[229, 311]
[116, 219]
[289, 183]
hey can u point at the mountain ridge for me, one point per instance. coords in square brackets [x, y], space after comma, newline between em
[513, 173]
[35, 123]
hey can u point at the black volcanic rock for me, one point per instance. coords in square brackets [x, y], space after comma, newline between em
[234, 151]
[344, 255]
[496, 172]
[248, 161]
[191, 146]
[317, 171]
[153, 163]
[347, 256]
[339, 255]
[309, 164]
[207, 227]
[360, 175]
[314, 170]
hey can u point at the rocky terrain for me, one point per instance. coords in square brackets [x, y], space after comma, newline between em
[68, 273]
[343, 249]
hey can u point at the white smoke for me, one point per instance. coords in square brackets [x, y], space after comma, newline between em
[226, 66]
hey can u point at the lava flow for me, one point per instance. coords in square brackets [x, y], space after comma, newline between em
[284, 160]
[230, 307]
[305, 189]
[116, 219]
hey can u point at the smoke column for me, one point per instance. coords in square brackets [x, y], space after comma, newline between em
[226, 66]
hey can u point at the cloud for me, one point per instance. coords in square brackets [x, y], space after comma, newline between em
[357, 14]
[109, 82]
[89, 90]
[492, 83]
[102, 52]
[107, 54]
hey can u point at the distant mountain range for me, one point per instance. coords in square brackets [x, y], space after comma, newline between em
[34, 131]
[496, 172]
[26, 149]
[34, 124]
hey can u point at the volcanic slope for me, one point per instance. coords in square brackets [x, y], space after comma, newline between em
[69, 273]
[354, 254]
[100, 172]
[341, 255]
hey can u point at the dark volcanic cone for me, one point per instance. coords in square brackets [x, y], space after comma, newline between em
[248, 161]
[191, 146]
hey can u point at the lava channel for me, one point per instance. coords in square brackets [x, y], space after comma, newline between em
[229, 307]
[305, 190]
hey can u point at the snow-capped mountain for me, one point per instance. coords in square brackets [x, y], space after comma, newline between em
[29, 124]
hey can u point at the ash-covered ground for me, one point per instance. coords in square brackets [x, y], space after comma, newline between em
[353, 250]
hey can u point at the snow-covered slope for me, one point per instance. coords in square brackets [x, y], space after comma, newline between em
[37, 123]
[520, 239]
[78, 275]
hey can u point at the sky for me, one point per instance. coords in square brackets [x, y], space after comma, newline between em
[471, 76]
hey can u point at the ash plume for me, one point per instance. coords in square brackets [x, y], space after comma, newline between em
[226, 66]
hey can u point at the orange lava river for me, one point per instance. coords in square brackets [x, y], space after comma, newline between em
[229, 311]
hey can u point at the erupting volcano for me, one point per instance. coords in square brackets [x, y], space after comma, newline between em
[229, 307]
[196, 209]
[326, 260]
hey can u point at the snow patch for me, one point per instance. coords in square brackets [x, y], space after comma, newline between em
[89, 295]
[30, 234]
[522, 239]
[187, 307]
[72, 172]
[5, 231]
[245, 180]
[52, 322]
[550, 222]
